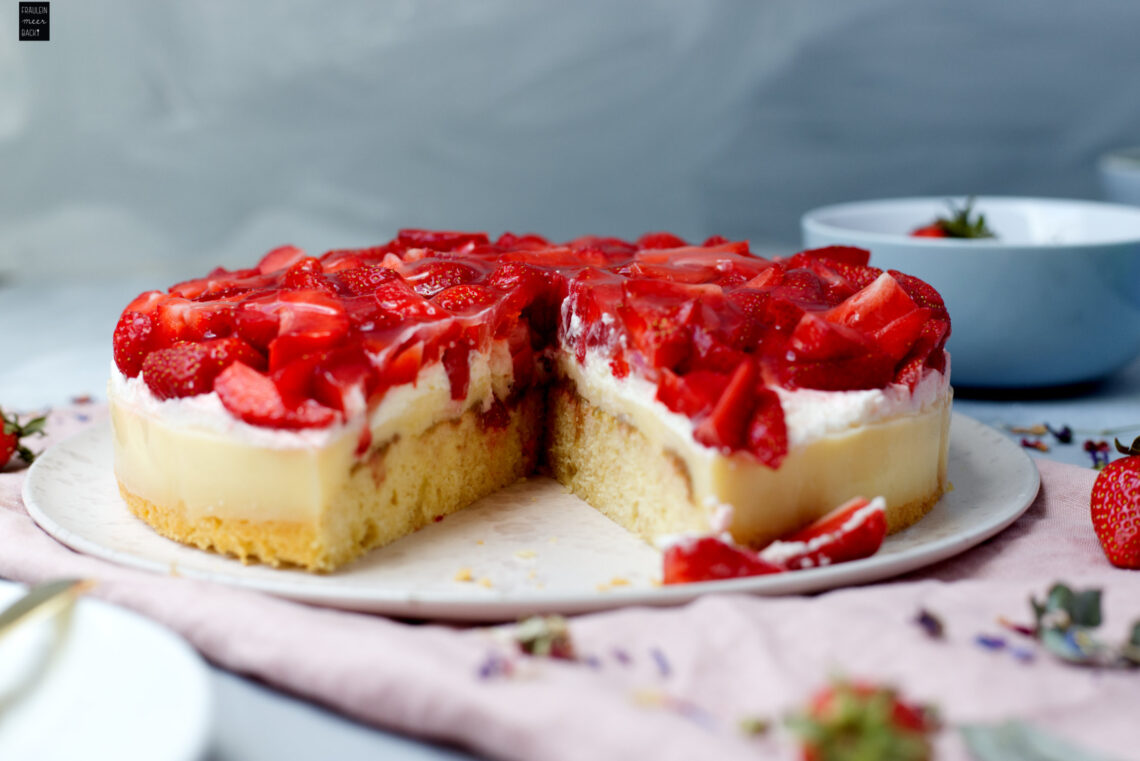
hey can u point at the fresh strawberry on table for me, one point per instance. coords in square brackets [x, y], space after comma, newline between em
[960, 224]
[12, 431]
[854, 721]
[1116, 508]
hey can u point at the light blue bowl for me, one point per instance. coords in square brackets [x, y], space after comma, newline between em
[1119, 173]
[1054, 300]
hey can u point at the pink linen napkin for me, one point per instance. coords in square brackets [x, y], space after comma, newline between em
[662, 683]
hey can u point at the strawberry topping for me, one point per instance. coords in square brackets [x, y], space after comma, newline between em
[711, 326]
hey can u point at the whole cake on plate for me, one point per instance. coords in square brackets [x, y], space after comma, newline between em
[310, 408]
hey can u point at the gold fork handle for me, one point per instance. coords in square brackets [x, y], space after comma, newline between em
[43, 599]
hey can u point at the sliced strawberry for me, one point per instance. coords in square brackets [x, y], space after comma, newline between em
[896, 338]
[881, 302]
[342, 379]
[310, 321]
[850, 255]
[132, 341]
[814, 337]
[256, 320]
[440, 240]
[767, 429]
[692, 393]
[430, 276]
[660, 240]
[726, 426]
[871, 370]
[254, 398]
[306, 274]
[281, 258]
[466, 298]
[359, 281]
[457, 362]
[224, 351]
[184, 369]
[405, 366]
[189, 369]
[922, 293]
[710, 559]
[208, 319]
[608, 248]
[146, 302]
[511, 241]
[852, 531]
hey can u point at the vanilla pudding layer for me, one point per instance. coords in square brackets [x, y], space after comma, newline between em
[635, 460]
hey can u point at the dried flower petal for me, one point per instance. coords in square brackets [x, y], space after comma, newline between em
[1064, 435]
[1040, 429]
[1037, 444]
[990, 642]
[662, 663]
[930, 623]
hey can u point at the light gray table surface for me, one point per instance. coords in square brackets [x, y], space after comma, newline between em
[55, 344]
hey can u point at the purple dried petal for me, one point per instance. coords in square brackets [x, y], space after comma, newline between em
[622, 656]
[990, 642]
[930, 623]
[662, 662]
[1024, 654]
[592, 661]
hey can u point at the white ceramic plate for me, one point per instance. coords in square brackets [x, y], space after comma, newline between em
[111, 684]
[530, 548]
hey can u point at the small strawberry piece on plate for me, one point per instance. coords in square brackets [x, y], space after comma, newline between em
[708, 559]
[847, 721]
[1116, 508]
[852, 531]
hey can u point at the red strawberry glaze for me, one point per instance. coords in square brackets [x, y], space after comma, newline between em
[713, 327]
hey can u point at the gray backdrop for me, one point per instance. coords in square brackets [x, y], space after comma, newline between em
[168, 138]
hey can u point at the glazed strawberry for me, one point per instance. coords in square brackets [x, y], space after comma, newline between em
[180, 370]
[189, 369]
[441, 240]
[360, 281]
[429, 277]
[309, 321]
[711, 559]
[726, 426]
[132, 341]
[660, 240]
[852, 531]
[1115, 503]
[254, 398]
[307, 274]
[767, 430]
[852, 721]
[465, 298]
[281, 258]
[11, 433]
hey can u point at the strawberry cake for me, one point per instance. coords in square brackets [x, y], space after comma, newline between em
[308, 409]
